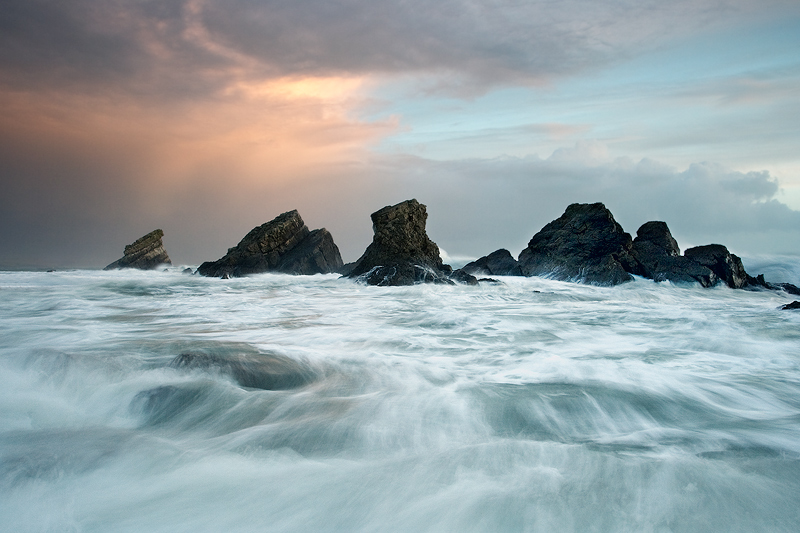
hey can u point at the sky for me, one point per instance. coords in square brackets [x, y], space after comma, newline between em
[206, 118]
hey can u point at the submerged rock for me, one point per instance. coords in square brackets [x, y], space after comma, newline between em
[725, 265]
[285, 245]
[401, 252]
[585, 244]
[658, 257]
[145, 253]
[497, 263]
[794, 305]
[257, 371]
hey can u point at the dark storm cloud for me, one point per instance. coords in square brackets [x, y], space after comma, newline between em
[190, 46]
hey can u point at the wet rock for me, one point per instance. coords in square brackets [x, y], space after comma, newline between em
[257, 371]
[585, 244]
[284, 244]
[497, 263]
[725, 265]
[658, 257]
[401, 252]
[794, 305]
[145, 253]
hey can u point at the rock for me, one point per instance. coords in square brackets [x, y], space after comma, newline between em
[462, 276]
[284, 244]
[258, 371]
[145, 253]
[497, 263]
[658, 257]
[727, 266]
[794, 305]
[401, 252]
[585, 244]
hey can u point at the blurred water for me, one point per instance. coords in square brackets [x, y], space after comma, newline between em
[157, 401]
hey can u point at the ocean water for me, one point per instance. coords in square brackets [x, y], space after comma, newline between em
[158, 401]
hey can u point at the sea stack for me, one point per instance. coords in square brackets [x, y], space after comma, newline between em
[145, 253]
[284, 245]
[585, 244]
[401, 252]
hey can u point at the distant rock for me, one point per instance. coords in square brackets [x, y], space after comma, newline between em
[497, 263]
[725, 265]
[658, 257]
[585, 244]
[794, 305]
[401, 252]
[145, 253]
[284, 244]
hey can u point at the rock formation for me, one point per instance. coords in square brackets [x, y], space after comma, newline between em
[584, 244]
[658, 257]
[145, 253]
[401, 252]
[725, 265]
[794, 305]
[258, 371]
[497, 263]
[285, 245]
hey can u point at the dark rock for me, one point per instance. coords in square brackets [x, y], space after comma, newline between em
[585, 244]
[282, 245]
[463, 277]
[788, 287]
[497, 263]
[256, 371]
[401, 252]
[794, 305]
[145, 253]
[658, 257]
[727, 266]
[187, 271]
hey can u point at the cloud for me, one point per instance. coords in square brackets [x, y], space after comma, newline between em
[478, 205]
[195, 47]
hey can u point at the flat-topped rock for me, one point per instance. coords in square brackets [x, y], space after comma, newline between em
[585, 244]
[725, 265]
[401, 252]
[284, 245]
[145, 253]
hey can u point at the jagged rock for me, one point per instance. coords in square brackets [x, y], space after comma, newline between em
[401, 252]
[145, 253]
[585, 244]
[727, 266]
[284, 244]
[497, 263]
[794, 305]
[658, 257]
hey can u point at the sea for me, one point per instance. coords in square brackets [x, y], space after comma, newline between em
[160, 401]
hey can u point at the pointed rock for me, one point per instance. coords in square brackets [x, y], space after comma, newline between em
[284, 244]
[145, 253]
[585, 244]
[401, 252]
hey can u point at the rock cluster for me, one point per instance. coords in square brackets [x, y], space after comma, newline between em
[284, 244]
[587, 245]
[401, 252]
[145, 253]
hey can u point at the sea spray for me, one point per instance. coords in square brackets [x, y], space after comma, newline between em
[532, 405]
